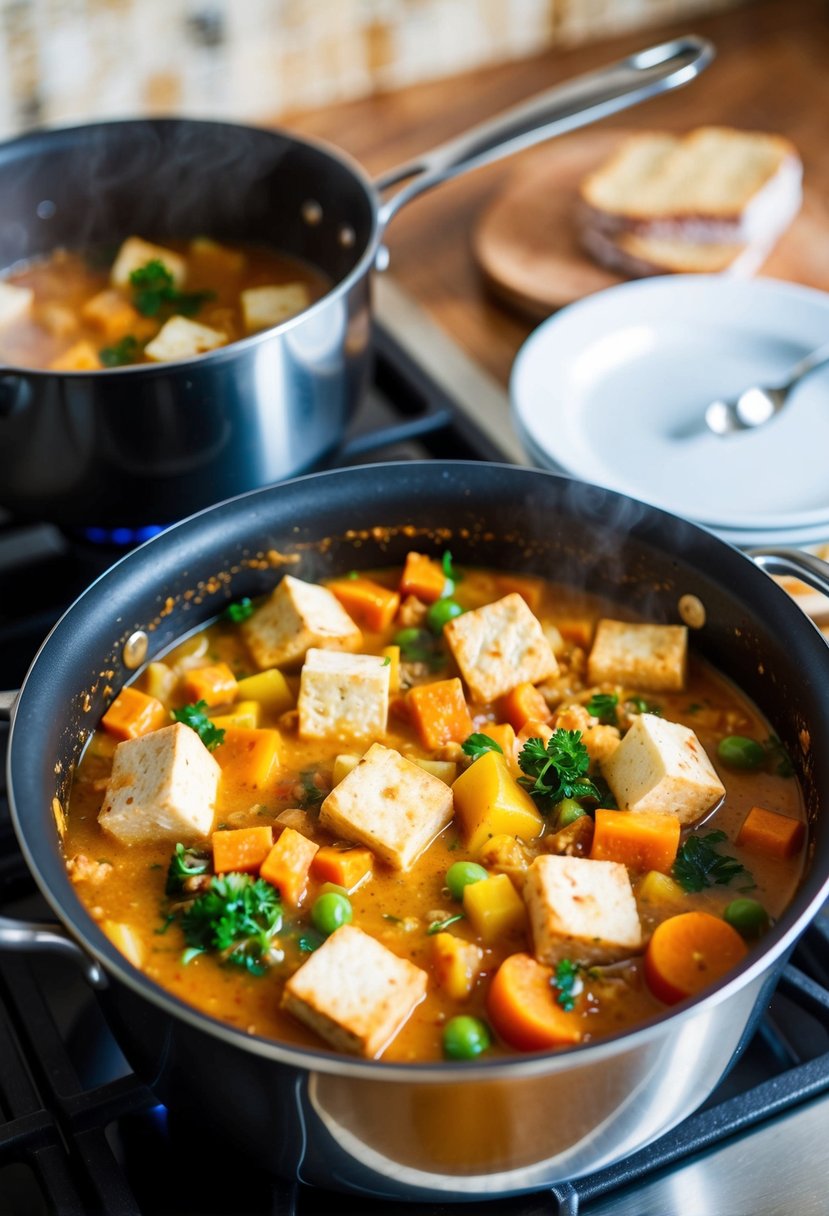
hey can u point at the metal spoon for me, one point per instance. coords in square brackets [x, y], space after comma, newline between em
[756, 405]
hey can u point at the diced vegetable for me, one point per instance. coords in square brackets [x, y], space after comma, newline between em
[127, 939]
[439, 712]
[566, 812]
[330, 911]
[689, 952]
[747, 916]
[241, 849]
[343, 765]
[658, 889]
[446, 770]
[367, 602]
[81, 357]
[441, 613]
[522, 703]
[244, 714]
[159, 680]
[214, 684]
[530, 589]
[269, 688]
[456, 964]
[287, 864]
[392, 653]
[504, 855]
[641, 840]
[771, 833]
[348, 868]
[493, 908]
[489, 802]
[248, 757]
[134, 713]
[523, 1010]
[464, 1038]
[737, 751]
[461, 874]
[504, 735]
[423, 577]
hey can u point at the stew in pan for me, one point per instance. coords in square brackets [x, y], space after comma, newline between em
[428, 813]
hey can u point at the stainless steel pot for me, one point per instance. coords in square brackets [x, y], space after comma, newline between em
[143, 445]
[452, 1131]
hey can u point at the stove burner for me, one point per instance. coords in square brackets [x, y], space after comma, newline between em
[124, 538]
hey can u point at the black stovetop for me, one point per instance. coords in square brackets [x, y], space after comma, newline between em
[79, 1133]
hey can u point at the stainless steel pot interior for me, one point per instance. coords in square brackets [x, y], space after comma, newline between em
[420, 1131]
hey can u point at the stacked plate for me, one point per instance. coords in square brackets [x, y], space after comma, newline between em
[613, 390]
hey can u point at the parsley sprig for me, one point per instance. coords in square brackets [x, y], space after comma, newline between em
[699, 865]
[602, 705]
[238, 611]
[475, 745]
[195, 716]
[558, 770]
[185, 863]
[154, 292]
[238, 917]
[568, 983]
[127, 350]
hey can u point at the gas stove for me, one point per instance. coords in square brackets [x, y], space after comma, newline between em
[80, 1133]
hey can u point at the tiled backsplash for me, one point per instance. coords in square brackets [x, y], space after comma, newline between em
[64, 61]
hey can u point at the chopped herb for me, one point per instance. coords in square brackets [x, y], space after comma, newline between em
[237, 917]
[449, 570]
[694, 707]
[638, 705]
[312, 795]
[387, 661]
[165, 925]
[420, 646]
[602, 705]
[195, 716]
[155, 865]
[437, 926]
[475, 746]
[566, 980]
[558, 770]
[155, 292]
[453, 845]
[699, 865]
[185, 863]
[777, 758]
[394, 920]
[238, 612]
[123, 352]
[309, 941]
[352, 574]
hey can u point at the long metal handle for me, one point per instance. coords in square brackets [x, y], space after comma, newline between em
[7, 700]
[794, 563]
[807, 365]
[31, 936]
[564, 108]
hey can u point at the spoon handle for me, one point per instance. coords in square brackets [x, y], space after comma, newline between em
[807, 364]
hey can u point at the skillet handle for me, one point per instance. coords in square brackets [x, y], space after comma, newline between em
[795, 563]
[563, 108]
[29, 936]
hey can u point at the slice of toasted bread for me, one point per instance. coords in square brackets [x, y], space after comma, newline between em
[636, 256]
[715, 184]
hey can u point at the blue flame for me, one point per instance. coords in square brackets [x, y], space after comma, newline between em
[122, 537]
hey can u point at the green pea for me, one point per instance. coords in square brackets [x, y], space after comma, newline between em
[747, 916]
[441, 612]
[330, 911]
[739, 752]
[465, 1037]
[461, 874]
[568, 811]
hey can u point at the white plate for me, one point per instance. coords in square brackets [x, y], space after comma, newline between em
[612, 389]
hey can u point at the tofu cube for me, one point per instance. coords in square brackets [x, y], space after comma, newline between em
[180, 338]
[354, 992]
[651, 657]
[15, 303]
[263, 307]
[662, 766]
[389, 804]
[343, 696]
[498, 646]
[163, 787]
[581, 910]
[135, 253]
[297, 616]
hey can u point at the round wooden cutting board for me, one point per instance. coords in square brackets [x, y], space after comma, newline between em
[526, 242]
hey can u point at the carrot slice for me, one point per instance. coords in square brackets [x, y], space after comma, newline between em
[214, 684]
[642, 840]
[522, 1007]
[423, 577]
[523, 703]
[439, 712]
[345, 867]
[134, 713]
[240, 849]
[287, 864]
[367, 602]
[772, 833]
[688, 952]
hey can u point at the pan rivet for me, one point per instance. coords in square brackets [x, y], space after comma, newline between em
[135, 649]
[346, 236]
[311, 212]
[692, 611]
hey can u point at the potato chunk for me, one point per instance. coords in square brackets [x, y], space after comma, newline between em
[652, 657]
[498, 646]
[297, 616]
[490, 802]
[662, 766]
[390, 805]
[163, 787]
[354, 992]
[343, 696]
[581, 910]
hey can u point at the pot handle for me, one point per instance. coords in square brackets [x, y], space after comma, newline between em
[29, 935]
[563, 108]
[795, 563]
[7, 700]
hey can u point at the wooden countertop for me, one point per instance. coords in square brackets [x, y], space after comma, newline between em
[770, 73]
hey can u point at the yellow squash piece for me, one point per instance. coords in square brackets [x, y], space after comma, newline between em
[244, 714]
[657, 888]
[489, 802]
[392, 653]
[493, 908]
[446, 770]
[456, 964]
[343, 765]
[269, 688]
[127, 940]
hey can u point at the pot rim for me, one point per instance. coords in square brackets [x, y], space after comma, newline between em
[85, 930]
[222, 353]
